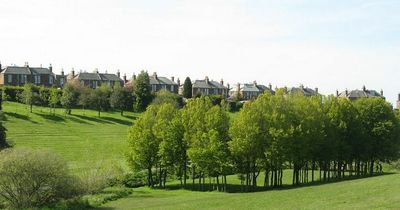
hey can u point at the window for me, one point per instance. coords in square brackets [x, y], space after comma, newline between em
[25, 78]
[94, 84]
[50, 79]
[172, 88]
[37, 79]
[62, 81]
[9, 78]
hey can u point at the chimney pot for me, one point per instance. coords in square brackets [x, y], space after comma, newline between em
[172, 79]
[222, 82]
[337, 93]
[255, 83]
[347, 92]
[364, 89]
[270, 86]
[316, 90]
[207, 80]
[179, 82]
[382, 92]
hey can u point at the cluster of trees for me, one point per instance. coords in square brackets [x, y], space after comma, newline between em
[333, 136]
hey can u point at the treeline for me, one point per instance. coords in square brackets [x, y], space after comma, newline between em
[319, 138]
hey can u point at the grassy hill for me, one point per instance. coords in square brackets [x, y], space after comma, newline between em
[381, 192]
[83, 139]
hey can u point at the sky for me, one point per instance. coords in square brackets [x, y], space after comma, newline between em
[332, 45]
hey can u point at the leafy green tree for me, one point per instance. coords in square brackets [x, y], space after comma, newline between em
[142, 91]
[69, 97]
[54, 99]
[100, 98]
[117, 98]
[3, 137]
[44, 96]
[164, 96]
[143, 145]
[187, 88]
[84, 98]
[28, 96]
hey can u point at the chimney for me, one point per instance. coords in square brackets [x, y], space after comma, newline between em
[364, 89]
[26, 64]
[382, 92]
[172, 79]
[96, 70]
[155, 75]
[41, 66]
[62, 72]
[51, 68]
[238, 88]
[337, 93]
[134, 77]
[398, 97]
[255, 83]
[301, 86]
[207, 80]
[118, 74]
[125, 78]
[347, 92]
[73, 72]
[270, 86]
[316, 90]
[222, 82]
[178, 81]
[0, 67]
[229, 87]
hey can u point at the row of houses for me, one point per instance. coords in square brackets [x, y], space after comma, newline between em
[20, 75]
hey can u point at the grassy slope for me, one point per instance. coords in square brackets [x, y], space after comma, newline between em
[382, 192]
[83, 139]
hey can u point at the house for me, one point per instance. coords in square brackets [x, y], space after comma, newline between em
[20, 75]
[95, 79]
[162, 83]
[363, 93]
[207, 87]
[158, 83]
[250, 91]
[303, 90]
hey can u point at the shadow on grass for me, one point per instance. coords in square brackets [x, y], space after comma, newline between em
[130, 117]
[51, 117]
[237, 188]
[93, 119]
[118, 121]
[75, 118]
[21, 117]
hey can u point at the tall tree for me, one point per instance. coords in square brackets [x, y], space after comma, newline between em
[84, 98]
[142, 91]
[53, 99]
[164, 96]
[187, 88]
[28, 96]
[117, 98]
[100, 98]
[69, 97]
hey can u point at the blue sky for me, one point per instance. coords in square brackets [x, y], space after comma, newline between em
[326, 44]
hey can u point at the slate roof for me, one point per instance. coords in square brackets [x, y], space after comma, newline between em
[304, 90]
[110, 77]
[88, 76]
[161, 81]
[40, 70]
[355, 94]
[16, 70]
[209, 85]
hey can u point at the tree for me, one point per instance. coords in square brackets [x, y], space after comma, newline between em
[31, 179]
[142, 91]
[84, 98]
[69, 97]
[142, 144]
[99, 98]
[3, 137]
[117, 98]
[44, 96]
[187, 88]
[28, 96]
[164, 96]
[54, 99]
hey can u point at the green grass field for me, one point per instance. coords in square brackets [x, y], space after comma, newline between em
[83, 139]
[87, 141]
[380, 192]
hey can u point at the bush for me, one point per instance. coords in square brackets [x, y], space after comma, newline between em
[133, 180]
[31, 178]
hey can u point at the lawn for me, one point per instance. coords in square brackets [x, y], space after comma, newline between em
[83, 139]
[380, 192]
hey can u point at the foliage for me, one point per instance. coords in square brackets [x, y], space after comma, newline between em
[164, 96]
[142, 91]
[187, 88]
[3, 136]
[69, 97]
[34, 178]
[100, 98]
[118, 98]
[28, 96]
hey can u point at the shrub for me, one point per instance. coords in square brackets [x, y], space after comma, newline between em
[133, 180]
[31, 178]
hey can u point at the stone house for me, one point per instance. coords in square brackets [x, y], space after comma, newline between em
[20, 75]
[207, 87]
[249, 91]
[363, 93]
[157, 83]
[95, 79]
